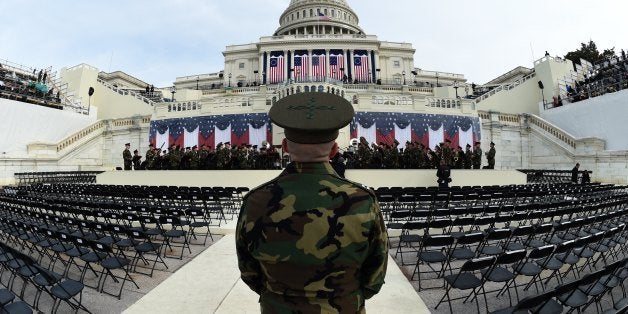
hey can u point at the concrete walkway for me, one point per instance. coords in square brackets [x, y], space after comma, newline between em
[211, 284]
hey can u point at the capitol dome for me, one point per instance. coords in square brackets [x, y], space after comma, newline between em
[310, 17]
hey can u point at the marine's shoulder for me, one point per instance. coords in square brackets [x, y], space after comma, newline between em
[261, 187]
[358, 185]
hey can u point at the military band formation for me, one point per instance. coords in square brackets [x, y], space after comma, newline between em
[360, 156]
[416, 156]
[224, 157]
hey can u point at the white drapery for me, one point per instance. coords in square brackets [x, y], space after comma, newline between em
[222, 136]
[190, 138]
[403, 135]
[436, 137]
[162, 140]
[465, 138]
[257, 136]
[368, 133]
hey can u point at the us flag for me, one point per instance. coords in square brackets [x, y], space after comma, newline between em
[336, 62]
[276, 73]
[301, 68]
[361, 68]
[318, 67]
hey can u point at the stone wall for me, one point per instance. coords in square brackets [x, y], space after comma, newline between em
[529, 142]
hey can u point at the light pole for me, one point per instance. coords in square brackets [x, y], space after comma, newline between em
[256, 76]
[264, 77]
[456, 88]
[229, 79]
[197, 83]
[370, 76]
[404, 77]
[173, 90]
[436, 79]
[378, 76]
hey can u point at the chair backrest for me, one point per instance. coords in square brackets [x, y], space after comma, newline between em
[101, 247]
[511, 257]
[543, 228]
[535, 301]
[437, 240]
[522, 231]
[470, 238]
[498, 234]
[541, 252]
[478, 263]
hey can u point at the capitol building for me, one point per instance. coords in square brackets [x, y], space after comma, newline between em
[318, 46]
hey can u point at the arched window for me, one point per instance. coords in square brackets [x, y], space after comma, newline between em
[306, 89]
[311, 12]
[321, 88]
[298, 89]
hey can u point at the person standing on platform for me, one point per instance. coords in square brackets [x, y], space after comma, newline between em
[127, 157]
[444, 174]
[477, 156]
[468, 157]
[574, 173]
[309, 241]
[137, 160]
[150, 157]
[585, 177]
[490, 157]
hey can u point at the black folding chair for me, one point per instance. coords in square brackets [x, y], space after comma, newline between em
[466, 279]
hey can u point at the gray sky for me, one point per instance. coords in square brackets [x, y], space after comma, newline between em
[159, 40]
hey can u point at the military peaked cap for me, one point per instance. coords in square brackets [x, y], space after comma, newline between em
[312, 118]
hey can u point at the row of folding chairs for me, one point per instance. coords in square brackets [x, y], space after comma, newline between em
[195, 218]
[168, 226]
[577, 295]
[507, 228]
[508, 266]
[95, 255]
[390, 202]
[29, 273]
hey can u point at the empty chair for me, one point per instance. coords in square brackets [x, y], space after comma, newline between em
[466, 279]
[432, 250]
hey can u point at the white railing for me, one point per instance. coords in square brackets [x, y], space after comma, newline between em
[505, 87]
[98, 128]
[443, 103]
[553, 130]
[126, 92]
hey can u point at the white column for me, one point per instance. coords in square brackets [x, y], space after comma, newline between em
[326, 62]
[309, 64]
[368, 55]
[267, 66]
[292, 64]
[285, 55]
[260, 68]
[344, 62]
[350, 65]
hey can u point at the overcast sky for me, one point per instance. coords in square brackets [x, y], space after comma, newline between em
[159, 40]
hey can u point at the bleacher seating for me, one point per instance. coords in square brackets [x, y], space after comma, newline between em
[25, 87]
[607, 76]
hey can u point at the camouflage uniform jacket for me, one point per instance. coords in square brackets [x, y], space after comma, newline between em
[311, 242]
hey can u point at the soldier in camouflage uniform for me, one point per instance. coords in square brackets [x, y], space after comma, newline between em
[468, 155]
[127, 157]
[194, 158]
[477, 156]
[309, 241]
